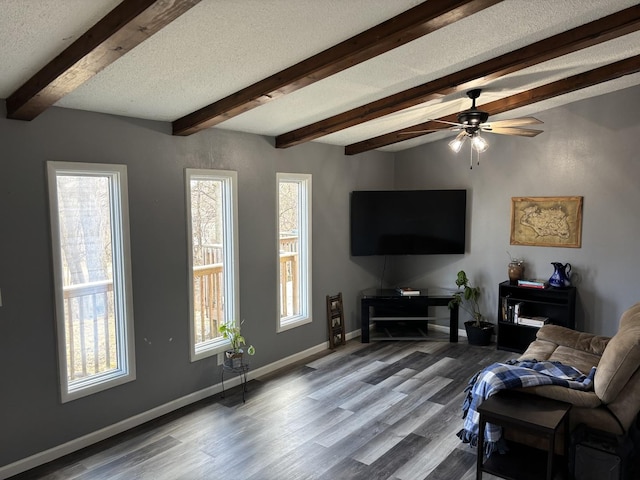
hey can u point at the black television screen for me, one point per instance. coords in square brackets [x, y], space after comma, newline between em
[408, 222]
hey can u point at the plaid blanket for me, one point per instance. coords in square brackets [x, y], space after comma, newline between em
[513, 374]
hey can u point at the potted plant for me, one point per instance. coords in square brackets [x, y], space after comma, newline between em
[233, 357]
[478, 331]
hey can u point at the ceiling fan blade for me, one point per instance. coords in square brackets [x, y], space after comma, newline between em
[412, 132]
[514, 122]
[447, 123]
[523, 132]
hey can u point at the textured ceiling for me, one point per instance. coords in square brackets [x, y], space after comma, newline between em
[221, 46]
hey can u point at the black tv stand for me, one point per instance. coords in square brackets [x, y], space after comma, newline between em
[389, 305]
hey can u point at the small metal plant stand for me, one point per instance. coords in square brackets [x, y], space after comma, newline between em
[241, 370]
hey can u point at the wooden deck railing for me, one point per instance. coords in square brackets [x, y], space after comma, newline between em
[90, 329]
[89, 310]
[208, 291]
[289, 243]
[289, 292]
[289, 298]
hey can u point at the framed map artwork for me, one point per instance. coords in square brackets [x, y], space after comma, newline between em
[546, 221]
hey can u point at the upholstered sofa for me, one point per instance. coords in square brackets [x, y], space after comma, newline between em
[614, 403]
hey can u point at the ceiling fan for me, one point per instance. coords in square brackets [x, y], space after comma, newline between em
[473, 121]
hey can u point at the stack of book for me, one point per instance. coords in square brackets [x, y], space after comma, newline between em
[532, 321]
[533, 283]
[407, 291]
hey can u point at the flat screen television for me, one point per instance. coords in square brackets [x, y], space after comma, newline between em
[408, 222]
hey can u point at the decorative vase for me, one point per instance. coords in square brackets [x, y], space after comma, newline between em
[560, 277]
[233, 359]
[516, 272]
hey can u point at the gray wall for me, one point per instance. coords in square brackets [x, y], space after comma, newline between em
[32, 416]
[589, 148]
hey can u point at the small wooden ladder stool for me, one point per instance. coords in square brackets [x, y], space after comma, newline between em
[335, 318]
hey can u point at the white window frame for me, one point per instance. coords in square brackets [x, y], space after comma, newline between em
[122, 284]
[304, 250]
[229, 181]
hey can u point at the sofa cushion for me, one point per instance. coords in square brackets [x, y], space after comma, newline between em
[560, 344]
[621, 358]
[585, 342]
[630, 318]
[539, 350]
[579, 359]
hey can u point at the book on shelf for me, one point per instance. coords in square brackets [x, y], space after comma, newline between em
[504, 308]
[407, 291]
[517, 311]
[532, 321]
[511, 310]
[533, 283]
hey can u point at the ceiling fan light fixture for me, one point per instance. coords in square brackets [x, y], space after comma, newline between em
[456, 144]
[473, 121]
[478, 143]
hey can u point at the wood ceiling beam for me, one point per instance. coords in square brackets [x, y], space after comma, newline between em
[593, 33]
[602, 74]
[399, 30]
[121, 30]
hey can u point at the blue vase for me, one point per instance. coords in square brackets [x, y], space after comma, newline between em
[560, 277]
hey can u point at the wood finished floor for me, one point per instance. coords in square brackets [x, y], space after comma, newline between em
[385, 410]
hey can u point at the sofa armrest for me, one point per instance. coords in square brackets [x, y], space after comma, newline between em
[577, 398]
[562, 336]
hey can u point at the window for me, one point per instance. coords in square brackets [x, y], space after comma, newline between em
[92, 276]
[294, 250]
[213, 262]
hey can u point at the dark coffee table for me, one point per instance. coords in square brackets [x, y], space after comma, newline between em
[539, 416]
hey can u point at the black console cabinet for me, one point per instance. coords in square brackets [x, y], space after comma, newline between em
[387, 305]
[557, 304]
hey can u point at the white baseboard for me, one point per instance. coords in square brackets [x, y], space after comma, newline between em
[94, 437]
[444, 329]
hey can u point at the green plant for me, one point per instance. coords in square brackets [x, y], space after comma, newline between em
[467, 298]
[232, 333]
